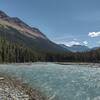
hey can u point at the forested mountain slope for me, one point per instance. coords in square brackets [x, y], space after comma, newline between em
[15, 30]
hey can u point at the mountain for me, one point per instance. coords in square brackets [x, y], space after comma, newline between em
[20, 42]
[76, 48]
[15, 30]
[95, 48]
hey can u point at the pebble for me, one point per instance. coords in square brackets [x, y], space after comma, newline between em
[9, 92]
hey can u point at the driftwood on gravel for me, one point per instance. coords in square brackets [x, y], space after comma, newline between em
[11, 89]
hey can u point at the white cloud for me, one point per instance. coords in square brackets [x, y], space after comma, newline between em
[85, 43]
[94, 34]
[72, 43]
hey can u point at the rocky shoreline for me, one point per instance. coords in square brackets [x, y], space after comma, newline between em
[12, 89]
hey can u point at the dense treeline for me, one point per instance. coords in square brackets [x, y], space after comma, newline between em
[14, 52]
[91, 56]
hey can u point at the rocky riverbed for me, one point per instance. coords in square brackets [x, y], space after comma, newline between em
[11, 89]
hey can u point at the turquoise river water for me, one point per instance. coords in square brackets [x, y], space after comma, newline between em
[59, 82]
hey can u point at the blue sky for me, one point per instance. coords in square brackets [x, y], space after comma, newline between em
[63, 21]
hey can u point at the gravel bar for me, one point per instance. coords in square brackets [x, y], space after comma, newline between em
[11, 89]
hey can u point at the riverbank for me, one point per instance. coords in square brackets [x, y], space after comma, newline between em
[63, 63]
[13, 89]
[79, 63]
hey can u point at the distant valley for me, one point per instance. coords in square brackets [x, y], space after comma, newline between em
[20, 42]
[76, 48]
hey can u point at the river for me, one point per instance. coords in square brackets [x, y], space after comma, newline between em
[58, 82]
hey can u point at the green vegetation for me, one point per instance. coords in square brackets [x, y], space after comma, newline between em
[14, 52]
[90, 56]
